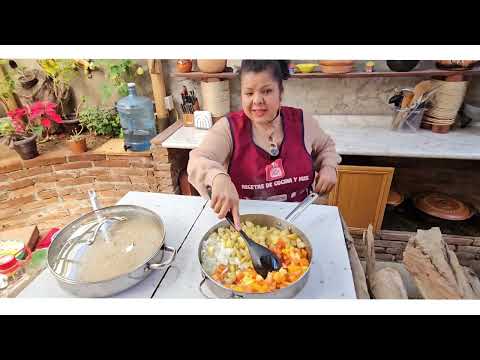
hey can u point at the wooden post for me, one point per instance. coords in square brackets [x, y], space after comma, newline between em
[159, 93]
[8, 103]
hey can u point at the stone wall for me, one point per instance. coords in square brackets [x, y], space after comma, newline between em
[390, 245]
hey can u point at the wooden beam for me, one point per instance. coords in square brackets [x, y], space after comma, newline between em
[159, 92]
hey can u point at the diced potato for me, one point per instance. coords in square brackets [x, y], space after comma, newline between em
[210, 250]
[292, 236]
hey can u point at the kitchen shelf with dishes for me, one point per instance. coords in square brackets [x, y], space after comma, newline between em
[354, 74]
[197, 75]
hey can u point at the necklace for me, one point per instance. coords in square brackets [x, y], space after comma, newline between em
[274, 151]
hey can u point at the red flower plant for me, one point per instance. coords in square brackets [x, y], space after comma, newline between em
[45, 111]
[33, 118]
[16, 117]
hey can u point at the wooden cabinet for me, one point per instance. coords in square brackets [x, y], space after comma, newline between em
[361, 194]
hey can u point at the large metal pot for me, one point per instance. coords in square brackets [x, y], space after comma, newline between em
[108, 250]
[290, 291]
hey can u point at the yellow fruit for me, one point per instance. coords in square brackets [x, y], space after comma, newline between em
[140, 70]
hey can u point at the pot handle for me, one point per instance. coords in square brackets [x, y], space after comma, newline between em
[301, 207]
[165, 263]
[200, 288]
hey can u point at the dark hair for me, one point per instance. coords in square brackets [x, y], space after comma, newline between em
[279, 68]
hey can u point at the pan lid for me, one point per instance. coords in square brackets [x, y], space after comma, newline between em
[105, 244]
[442, 206]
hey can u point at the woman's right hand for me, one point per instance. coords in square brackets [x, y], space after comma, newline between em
[225, 198]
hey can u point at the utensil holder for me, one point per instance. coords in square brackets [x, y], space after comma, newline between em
[187, 119]
[408, 120]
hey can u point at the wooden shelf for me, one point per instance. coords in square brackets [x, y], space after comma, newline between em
[202, 75]
[355, 74]
[414, 73]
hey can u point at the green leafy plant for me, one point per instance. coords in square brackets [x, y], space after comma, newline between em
[7, 86]
[101, 121]
[6, 128]
[118, 74]
[61, 72]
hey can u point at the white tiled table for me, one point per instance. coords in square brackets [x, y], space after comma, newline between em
[187, 219]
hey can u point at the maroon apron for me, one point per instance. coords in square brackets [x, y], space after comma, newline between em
[257, 174]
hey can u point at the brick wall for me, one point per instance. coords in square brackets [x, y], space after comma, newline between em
[51, 190]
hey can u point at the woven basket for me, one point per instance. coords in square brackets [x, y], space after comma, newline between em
[216, 97]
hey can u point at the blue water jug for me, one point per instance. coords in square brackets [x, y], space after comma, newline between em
[137, 120]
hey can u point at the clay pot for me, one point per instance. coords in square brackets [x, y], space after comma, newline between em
[440, 129]
[71, 124]
[455, 64]
[211, 66]
[78, 146]
[402, 65]
[184, 66]
[28, 81]
[26, 148]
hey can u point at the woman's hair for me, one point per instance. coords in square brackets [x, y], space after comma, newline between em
[278, 68]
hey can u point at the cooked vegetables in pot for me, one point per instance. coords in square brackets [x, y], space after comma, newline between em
[226, 259]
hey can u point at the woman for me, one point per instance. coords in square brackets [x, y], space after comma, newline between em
[265, 151]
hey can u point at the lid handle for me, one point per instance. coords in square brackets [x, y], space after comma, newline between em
[92, 195]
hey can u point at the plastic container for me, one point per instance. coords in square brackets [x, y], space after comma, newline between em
[406, 119]
[137, 120]
[13, 268]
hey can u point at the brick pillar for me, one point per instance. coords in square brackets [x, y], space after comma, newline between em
[167, 164]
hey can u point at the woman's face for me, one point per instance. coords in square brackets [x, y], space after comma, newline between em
[261, 96]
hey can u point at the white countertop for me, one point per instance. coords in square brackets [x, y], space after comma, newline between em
[187, 218]
[371, 135]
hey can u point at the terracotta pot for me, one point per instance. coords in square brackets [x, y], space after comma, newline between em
[336, 62]
[336, 69]
[211, 66]
[26, 148]
[440, 129]
[184, 66]
[78, 146]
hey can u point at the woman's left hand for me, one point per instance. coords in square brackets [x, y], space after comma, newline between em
[326, 180]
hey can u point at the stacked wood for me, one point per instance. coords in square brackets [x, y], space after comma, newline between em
[385, 283]
[436, 270]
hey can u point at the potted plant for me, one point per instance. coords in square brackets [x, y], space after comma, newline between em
[28, 125]
[26, 77]
[77, 142]
[60, 73]
[101, 121]
[71, 122]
